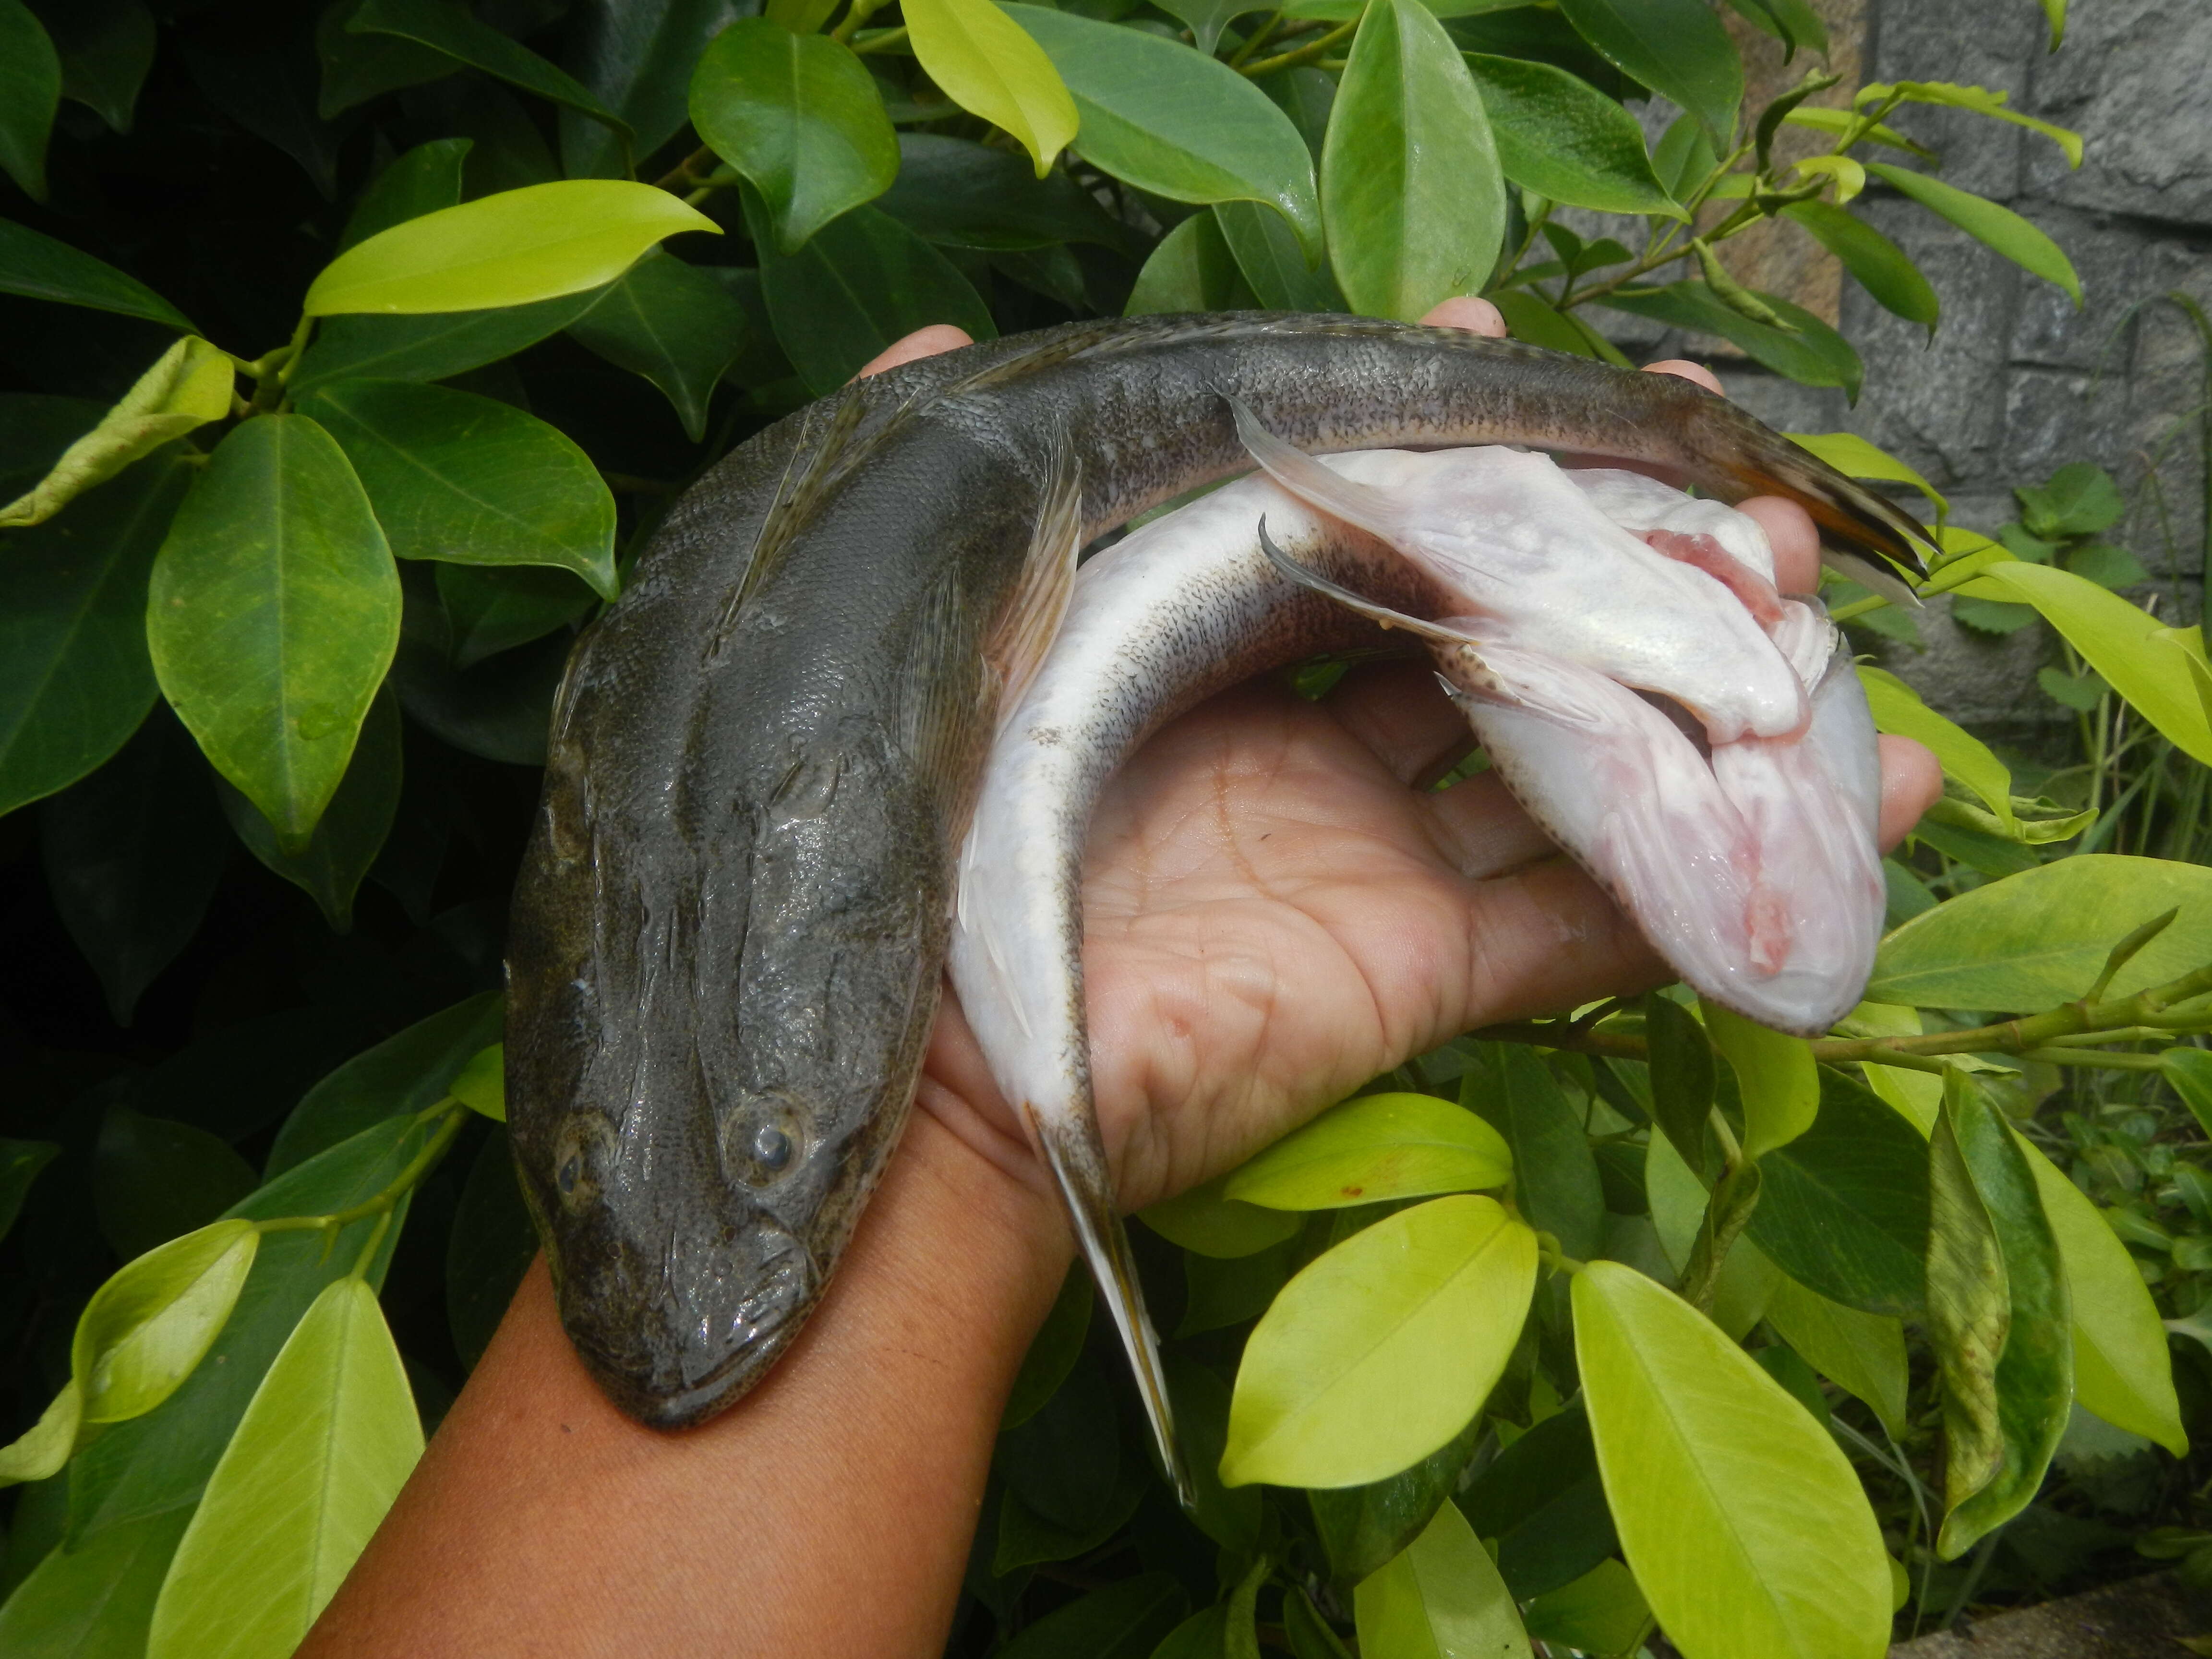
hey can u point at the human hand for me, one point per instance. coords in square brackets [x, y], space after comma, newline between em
[1277, 909]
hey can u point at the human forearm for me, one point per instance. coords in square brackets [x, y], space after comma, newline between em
[829, 1513]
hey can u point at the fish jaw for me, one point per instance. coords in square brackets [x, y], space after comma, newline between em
[1642, 505]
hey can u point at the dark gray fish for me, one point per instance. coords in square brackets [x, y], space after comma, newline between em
[730, 930]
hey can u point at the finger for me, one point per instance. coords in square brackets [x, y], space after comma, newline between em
[1683, 368]
[1476, 316]
[1912, 783]
[1796, 543]
[1482, 831]
[1397, 713]
[922, 342]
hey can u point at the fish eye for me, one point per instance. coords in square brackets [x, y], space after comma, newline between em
[762, 1138]
[771, 1147]
[569, 1171]
[584, 1141]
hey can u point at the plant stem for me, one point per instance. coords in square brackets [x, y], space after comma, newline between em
[860, 12]
[1260, 36]
[450, 1114]
[884, 42]
[1306, 53]
[688, 170]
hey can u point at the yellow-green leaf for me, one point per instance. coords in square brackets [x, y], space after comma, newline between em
[1897, 709]
[481, 1085]
[1441, 1597]
[1376, 1147]
[1980, 100]
[1380, 1350]
[1744, 1525]
[520, 245]
[1779, 1083]
[146, 1328]
[42, 1448]
[189, 384]
[318, 1458]
[1205, 1223]
[983, 61]
[1856, 458]
[1861, 1353]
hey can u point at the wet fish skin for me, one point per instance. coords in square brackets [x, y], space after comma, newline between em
[727, 938]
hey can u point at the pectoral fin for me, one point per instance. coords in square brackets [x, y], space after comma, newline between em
[1372, 509]
[1017, 645]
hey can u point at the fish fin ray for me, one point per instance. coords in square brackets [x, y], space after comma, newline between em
[1306, 576]
[1370, 509]
[1024, 635]
[1869, 575]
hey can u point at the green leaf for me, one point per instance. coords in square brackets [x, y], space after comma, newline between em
[1776, 1079]
[1362, 1528]
[2054, 12]
[30, 92]
[154, 1180]
[1267, 253]
[1159, 116]
[481, 1085]
[1682, 1076]
[1052, 1350]
[1124, 1620]
[1235, 1520]
[434, 346]
[1746, 1529]
[1441, 1599]
[1207, 1224]
[492, 1245]
[1222, 1291]
[41, 1450]
[1410, 188]
[318, 1457]
[799, 115]
[1205, 19]
[403, 1075]
[1677, 48]
[356, 68]
[189, 384]
[106, 48]
[39, 267]
[146, 1328]
[1310, 1635]
[1204, 1635]
[860, 283]
[1980, 100]
[2039, 938]
[456, 32]
[2107, 565]
[1555, 1181]
[1814, 356]
[1999, 1316]
[261, 84]
[1375, 1147]
[491, 609]
[1898, 709]
[1861, 1353]
[1843, 1209]
[2079, 499]
[273, 613]
[500, 710]
[425, 179]
[352, 830]
[981, 59]
[1026, 1538]
[674, 324]
[20, 1164]
[469, 480]
[1541, 1498]
[535, 243]
[1793, 23]
[636, 57]
[1530, 317]
[95, 1602]
[1996, 228]
[1881, 267]
[75, 679]
[1191, 270]
[1601, 1611]
[958, 193]
[1563, 139]
[1382, 1349]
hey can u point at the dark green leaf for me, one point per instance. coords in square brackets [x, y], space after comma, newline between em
[490, 1248]
[352, 831]
[1191, 270]
[958, 193]
[406, 1074]
[1677, 48]
[636, 56]
[75, 679]
[454, 30]
[1064, 1462]
[1844, 1208]
[1123, 1621]
[1793, 23]
[1530, 317]
[1267, 253]
[133, 854]
[1232, 1517]
[20, 1164]
[96, 1601]
[1362, 1528]
[672, 324]
[356, 68]
[799, 115]
[1561, 138]
[492, 610]
[1997, 617]
[1995, 227]
[1542, 1501]
[1204, 1635]
[1684, 157]
[1311, 1637]
[499, 709]
[268, 92]
[30, 92]
[1224, 1290]
[273, 612]
[469, 480]
[1555, 1181]
[1207, 18]
[35, 430]
[154, 1180]
[1023, 1538]
[1541, 35]
[106, 47]
[1052, 1350]
[424, 179]
[1816, 356]
[2079, 500]
[432, 346]
[862, 281]
[1306, 94]
[1881, 267]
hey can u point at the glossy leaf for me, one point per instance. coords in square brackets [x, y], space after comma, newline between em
[493, 1243]
[1793, 23]
[426, 178]
[75, 678]
[1999, 1313]
[1441, 1599]
[30, 92]
[469, 480]
[1222, 1291]
[1308, 1632]
[1268, 256]
[448, 27]
[1191, 270]
[1052, 1350]
[1205, 19]
[403, 1075]
[1676, 47]
[1158, 115]
[491, 608]
[1124, 1620]
[189, 384]
[860, 283]
[1898, 709]
[1362, 1528]
[500, 710]
[1026, 1538]
[1560, 137]
[984, 61]
[1880, 266]
[273, 612]
[352, 830]
[1601, 1611]
[1555, 1181]
[1775, 1079]
[1235, 1519]
[480, 1085]
[1861, 1353]
[106, 47]
[675, 326]
[355, 68]
[431, 347]
[40, 1452]
[154, 1180]
[1207, 1222]
[319, 1456]
[799, 115]
[1744, 1525]
[1375, 1147]
[2040, 938]
[535, 243]
[94, 1601]
[1410, 188]
[1380, 1350]
[636, 57]
[1530, 317]
[146, 1328]
[958, 193]
[1815, 354]
[1682, 1077]
[1541, 1498]
[1996, 228]
[39, 267]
